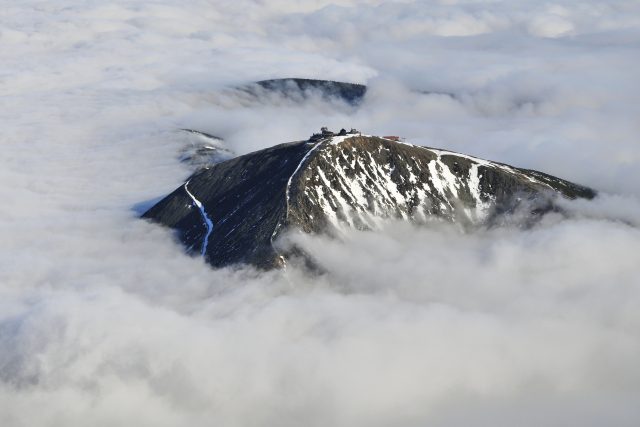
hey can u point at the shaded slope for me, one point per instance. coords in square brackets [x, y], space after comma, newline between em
[244, 197]
[300, 89]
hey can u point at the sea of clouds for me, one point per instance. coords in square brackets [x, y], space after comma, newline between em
[105, 321]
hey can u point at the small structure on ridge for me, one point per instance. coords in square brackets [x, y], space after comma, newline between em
[326, 133]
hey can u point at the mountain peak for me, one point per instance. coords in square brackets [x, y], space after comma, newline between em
[234, 211]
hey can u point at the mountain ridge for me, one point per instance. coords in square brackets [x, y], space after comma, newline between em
[296, 88]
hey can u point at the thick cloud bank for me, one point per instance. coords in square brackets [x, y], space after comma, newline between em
[104, 320]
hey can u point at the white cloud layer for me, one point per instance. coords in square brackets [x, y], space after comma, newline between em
[104, 321]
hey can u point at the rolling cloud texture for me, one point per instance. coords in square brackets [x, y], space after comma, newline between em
[104, 320]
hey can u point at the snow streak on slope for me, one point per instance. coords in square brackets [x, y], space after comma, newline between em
[357, 187]
[482, 203]
[207, 221]
[311, 150]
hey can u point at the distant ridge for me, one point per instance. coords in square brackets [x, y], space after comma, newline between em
[300, 89]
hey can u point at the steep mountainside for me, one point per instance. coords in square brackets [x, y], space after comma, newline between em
[233, 211]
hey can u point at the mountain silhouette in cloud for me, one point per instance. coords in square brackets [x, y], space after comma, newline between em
[234, 211]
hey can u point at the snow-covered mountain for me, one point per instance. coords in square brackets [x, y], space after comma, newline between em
[234, 211]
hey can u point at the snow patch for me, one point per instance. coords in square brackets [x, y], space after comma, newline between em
[207, 221]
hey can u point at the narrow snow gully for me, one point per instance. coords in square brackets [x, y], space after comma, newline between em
[286, 192]
[335, 140]
[207, 221]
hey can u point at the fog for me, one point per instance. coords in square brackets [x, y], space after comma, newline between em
[104, 320]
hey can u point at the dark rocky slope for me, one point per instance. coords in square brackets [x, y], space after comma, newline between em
[233, 212]
[298, 89]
